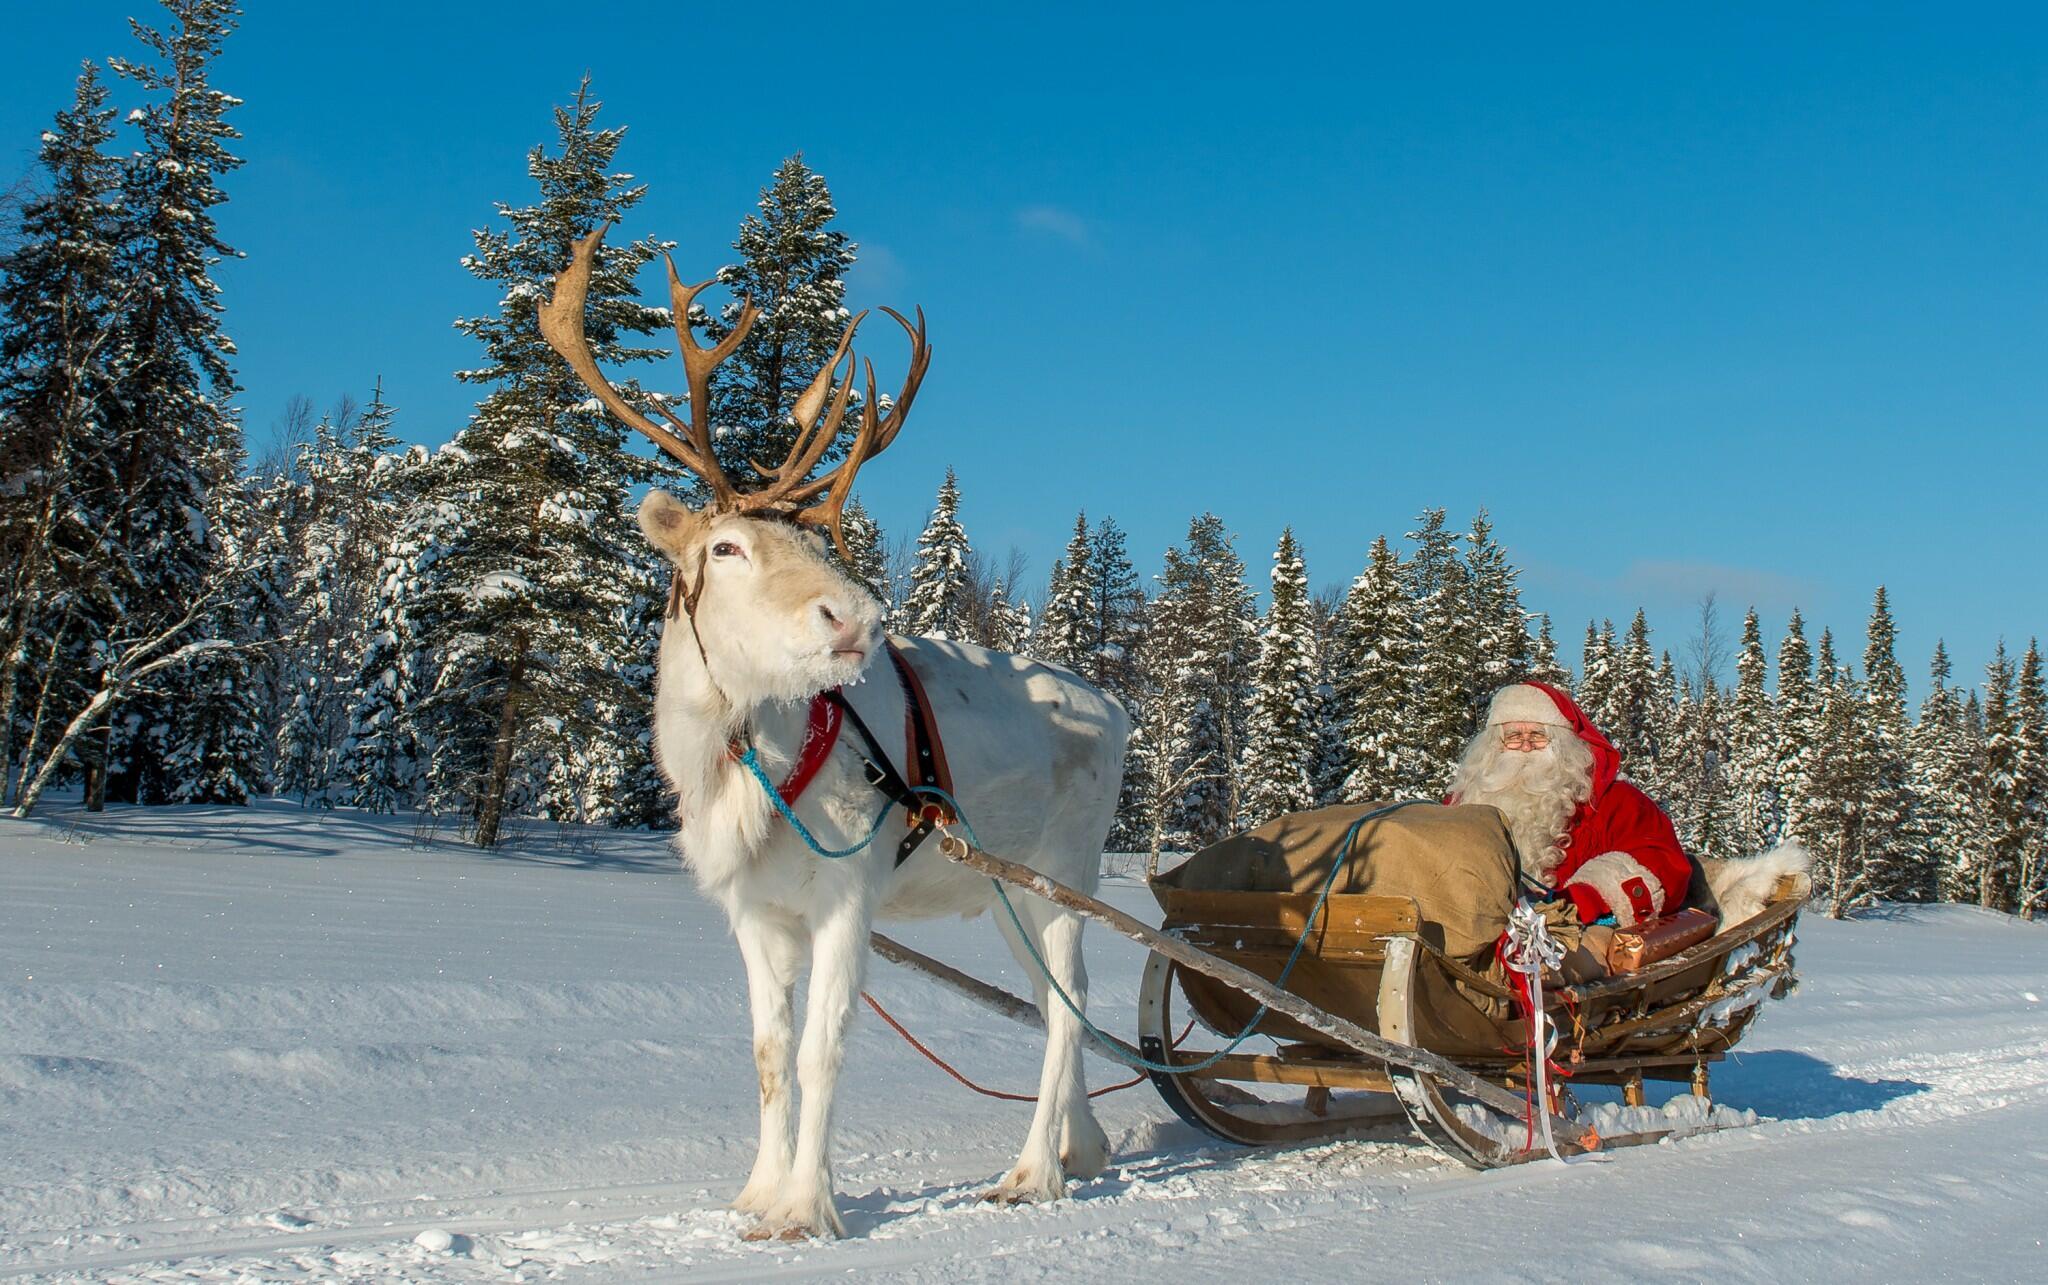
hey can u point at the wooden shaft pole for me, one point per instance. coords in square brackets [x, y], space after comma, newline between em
[993, 998]
[1345, 1032]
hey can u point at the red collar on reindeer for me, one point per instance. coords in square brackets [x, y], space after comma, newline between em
[923, 751]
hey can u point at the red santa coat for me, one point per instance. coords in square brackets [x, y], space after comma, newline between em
[1622, 857]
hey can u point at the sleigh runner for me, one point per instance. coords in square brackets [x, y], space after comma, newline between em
[1378, 1024]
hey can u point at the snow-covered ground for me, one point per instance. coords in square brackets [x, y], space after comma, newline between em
[269, 1045]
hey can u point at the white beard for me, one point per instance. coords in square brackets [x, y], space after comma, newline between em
[1537, 791]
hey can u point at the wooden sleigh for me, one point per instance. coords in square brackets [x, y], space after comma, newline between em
[1375, 1026]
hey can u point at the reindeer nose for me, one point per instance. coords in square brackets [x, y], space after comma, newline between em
[843, 630]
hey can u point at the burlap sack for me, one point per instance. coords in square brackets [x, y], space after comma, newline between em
[1458, 863]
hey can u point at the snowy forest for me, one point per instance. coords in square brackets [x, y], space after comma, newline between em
[468, 633]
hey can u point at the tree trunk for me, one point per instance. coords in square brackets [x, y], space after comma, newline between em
[96, 771]
[10, 688]
[492, 807]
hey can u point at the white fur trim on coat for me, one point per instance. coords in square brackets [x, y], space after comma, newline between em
[1521, 703]
[1606, 873]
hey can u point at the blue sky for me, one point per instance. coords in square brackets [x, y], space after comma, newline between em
[1751, 301]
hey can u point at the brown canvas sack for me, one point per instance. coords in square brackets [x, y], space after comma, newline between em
[1458, 863]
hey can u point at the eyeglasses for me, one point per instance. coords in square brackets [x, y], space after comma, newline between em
[1525, 740]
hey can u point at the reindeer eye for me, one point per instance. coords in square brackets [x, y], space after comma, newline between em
[725, 549]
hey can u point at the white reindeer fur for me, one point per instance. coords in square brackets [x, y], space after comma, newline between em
[1036, 757]
[1743, 888]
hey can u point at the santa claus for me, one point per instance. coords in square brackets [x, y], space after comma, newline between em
[1581, 832]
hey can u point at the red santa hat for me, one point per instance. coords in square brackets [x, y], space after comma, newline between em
[1525, 703]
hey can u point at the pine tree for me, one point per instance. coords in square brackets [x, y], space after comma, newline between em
[1333, 760]
[793, 268]
[1752, 748]
[937, 605]
[1116, 608]
[1062, 636]
[174, 428]
[351, 511]
[1009, 621]
[1544, 666]
[1441, 708]
[868, 558]
[2030, 729]
[1282, 742]
[1893, 867]
[1798, 728]
[523, 613]
[217, 750]
[60, 310]
[1943, 755]
[381, 766]
[1597, 662]
[1632, 717]
[1833, 821]
[1375, 638]
[1501, 646]
[1700, 801]
[1202, 639]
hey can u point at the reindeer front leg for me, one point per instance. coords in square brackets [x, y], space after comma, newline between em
[770, 950]
[838, 954]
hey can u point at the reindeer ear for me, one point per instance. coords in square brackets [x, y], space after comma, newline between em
[671, 525]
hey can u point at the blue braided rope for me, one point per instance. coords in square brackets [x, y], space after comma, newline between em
[753, 764]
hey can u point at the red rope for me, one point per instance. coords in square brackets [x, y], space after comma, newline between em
[941, 1063]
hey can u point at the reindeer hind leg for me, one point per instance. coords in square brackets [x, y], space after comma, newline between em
[1064, 1139]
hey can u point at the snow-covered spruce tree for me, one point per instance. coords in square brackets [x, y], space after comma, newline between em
[1061, 637]
[1440, 709]
[1632, 717]
[59, 319]
[1202, 639]
[1544, 666]
[1892, 861]
[1838, 785]
[1281, 736]
[937, 605]
[1501, 647]
[2004, 797]
[1751, 747]
[1333, 760]
[793, 266]
[1373, 670]
[1009, 620]
[523, 613]
[1597, 662]
[1116, 610]
[352, 506]
[1944, 753]
[381, 766]
[867, 558]
[2030, 728]
[170, 424]
[1797, 729]
[1701, 803]
[218, 749]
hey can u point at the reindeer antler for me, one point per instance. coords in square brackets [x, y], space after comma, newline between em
[790, 485]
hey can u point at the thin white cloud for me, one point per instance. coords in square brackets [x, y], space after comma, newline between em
[1054, 221]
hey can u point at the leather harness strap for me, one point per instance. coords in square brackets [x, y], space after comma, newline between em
[927, 758]
[927, 753]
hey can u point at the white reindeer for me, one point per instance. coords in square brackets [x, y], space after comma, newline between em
[764, 619]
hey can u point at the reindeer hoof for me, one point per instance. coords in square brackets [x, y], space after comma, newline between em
[1013, 1190]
